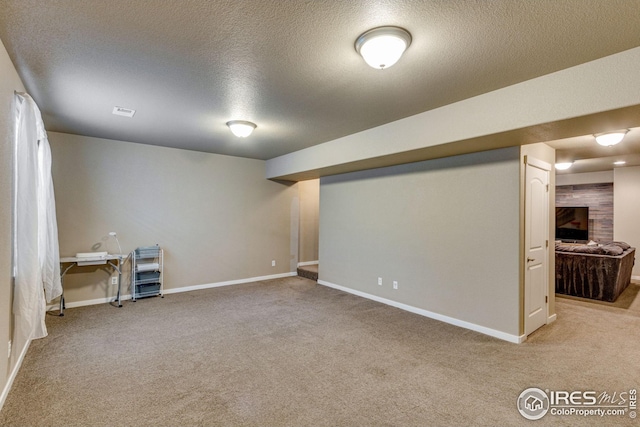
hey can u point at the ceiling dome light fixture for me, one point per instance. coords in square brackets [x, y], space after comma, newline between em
[563, 166]
[610, 138]
[241, 128]
[383, 46]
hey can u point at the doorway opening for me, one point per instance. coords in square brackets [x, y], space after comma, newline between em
[308, 232]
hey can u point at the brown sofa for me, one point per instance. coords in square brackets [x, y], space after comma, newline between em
[596, 272]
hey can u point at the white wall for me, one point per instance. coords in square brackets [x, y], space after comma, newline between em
[584, 178]
[216, 216]
[626, 210]
[9, 82]
[447, 230]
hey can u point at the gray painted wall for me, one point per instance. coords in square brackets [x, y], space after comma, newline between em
[9, 82]
[216, 216]
[447, 230]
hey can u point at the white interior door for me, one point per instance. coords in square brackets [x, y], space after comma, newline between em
[536, 282]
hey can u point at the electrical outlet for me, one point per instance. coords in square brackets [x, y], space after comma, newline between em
[380, 281]
[273, 263]
[395, 284]
[114, 280]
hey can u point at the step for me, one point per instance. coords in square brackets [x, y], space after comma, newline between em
[309, 272]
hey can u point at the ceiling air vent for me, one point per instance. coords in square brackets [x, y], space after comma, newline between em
[121, 111]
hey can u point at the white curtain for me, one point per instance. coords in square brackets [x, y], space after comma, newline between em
[37, 257]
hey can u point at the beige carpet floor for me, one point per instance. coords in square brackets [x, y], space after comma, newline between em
[289, 352]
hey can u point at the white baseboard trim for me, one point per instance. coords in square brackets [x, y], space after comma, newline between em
[55, 307]
[12, 376]
[551, 318]
[302, 264]
[637, 278]
[174, 290]
[228, 283]
[517, 339]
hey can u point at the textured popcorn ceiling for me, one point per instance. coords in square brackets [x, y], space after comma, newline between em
[189, 66]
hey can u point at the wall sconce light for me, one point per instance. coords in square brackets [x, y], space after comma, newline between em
[383, 46]
[241, 128]
[610, 138]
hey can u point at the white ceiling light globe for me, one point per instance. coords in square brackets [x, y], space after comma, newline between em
[383, 51]
[563, 166]
[610, 138]
[382, 47]
[241, 128]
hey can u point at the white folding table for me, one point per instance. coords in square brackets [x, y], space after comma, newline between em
[113, 260]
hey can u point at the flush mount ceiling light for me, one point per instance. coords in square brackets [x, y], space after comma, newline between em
[383, 46]
[241, 128]
[610, 138]
[563, 166]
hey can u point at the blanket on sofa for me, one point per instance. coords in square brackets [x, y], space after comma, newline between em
[611, 248]
[596, 272]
